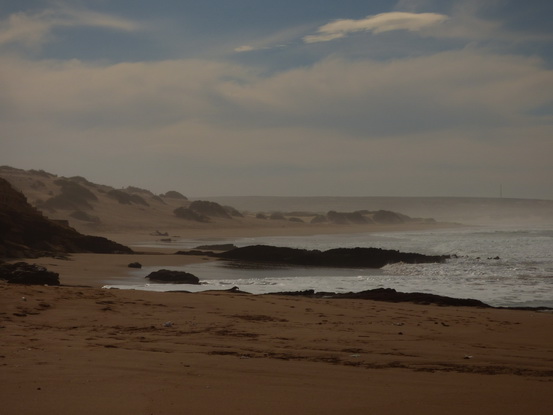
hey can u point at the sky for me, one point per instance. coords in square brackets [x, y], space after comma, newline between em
[282, 98]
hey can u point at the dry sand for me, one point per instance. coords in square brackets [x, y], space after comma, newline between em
[68, 350]
[85, 350]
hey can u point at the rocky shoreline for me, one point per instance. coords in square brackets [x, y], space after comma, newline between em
[336, 258]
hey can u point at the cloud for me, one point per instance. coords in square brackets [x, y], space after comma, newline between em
[35, 29]
[245, 48]
[282, 38]
[379, 23]
[336, 127]
[460, 89]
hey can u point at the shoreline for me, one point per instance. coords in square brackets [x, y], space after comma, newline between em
[94, 269]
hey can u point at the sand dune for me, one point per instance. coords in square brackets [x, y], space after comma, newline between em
[101, 210]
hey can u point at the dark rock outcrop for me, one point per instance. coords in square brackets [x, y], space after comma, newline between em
[203, 210]
[319, 219]
[173, 277]
[127, 198]
[73, 196]
[277, 216]
[189, 214]
[135, 265]
[217, 247]
[361, 217]
[343, 218]
[387, 217]
[173, 194]
[340, 257]
[196, 252]
[25, 232]
[393, 296]
[85, 217]
[233, 212]
[24, 273]
[210, 209]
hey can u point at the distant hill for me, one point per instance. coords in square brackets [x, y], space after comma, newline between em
[25, 232]
[101, 210]
[464, 210]
[95, 208]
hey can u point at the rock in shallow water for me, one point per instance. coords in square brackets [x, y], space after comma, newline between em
[339, 257]
[173, 277]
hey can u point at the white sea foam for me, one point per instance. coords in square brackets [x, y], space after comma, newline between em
[500, 266]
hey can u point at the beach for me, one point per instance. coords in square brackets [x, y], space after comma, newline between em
[81, 348]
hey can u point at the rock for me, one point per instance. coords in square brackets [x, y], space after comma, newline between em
[233, 212]
[25, 232]
[340, 257]
[173, 194]
[125, 198]
[174, 277]
[393, 296]
[209, 209]
[189, 214]
[217, 247]
[135, 265]
[344, 218]
[387, 217]
[73, 196]
[24, 273]
[83, 216]
[196, 252]
[319, 219]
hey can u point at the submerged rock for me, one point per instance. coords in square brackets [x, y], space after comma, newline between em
[174, 277]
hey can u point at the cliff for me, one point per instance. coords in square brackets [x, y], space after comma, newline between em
[25, 232]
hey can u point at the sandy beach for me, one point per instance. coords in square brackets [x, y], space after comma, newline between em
[69, 350]
[82, 349]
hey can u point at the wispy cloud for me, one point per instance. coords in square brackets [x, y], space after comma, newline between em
[245, 48]
[378, 23]
[35, 29]
[282, 38]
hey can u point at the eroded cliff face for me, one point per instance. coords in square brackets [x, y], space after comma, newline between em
[25, 232]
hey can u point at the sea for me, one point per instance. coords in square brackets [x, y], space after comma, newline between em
[503, 266]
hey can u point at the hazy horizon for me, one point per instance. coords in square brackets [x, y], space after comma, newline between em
[470, 211]
[403, 98]
[499, 196]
